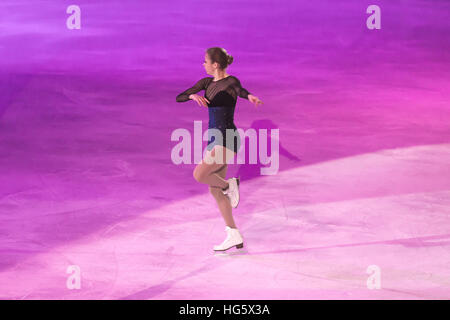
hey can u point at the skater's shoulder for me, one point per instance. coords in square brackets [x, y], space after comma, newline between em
[204, 82]
[207, 80]
[234, 78]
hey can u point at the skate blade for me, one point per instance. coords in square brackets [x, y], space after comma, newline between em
[235, 250]
[229, 253]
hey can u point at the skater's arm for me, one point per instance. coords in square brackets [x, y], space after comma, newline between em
[255, 100]
[185, 95]
[243, 93]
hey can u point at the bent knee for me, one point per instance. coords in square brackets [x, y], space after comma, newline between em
[197, 174]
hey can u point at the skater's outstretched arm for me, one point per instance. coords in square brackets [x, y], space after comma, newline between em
[243, 93]
[185, 95]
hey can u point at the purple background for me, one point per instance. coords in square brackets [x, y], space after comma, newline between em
[86, 117]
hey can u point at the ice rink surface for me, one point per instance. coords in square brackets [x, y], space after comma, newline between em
[87, 179]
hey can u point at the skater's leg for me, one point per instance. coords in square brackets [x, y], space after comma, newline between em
[222, 200]
[205, 172]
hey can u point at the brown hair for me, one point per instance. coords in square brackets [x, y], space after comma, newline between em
[219, 55]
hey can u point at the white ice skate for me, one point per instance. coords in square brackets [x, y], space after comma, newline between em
[234, 238]
[233, 191]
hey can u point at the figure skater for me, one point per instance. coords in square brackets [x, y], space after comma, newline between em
[221, 92]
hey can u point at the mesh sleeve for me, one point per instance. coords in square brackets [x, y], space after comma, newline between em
[241, 92]
[200, 85]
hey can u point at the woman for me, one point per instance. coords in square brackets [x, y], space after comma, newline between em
[221, 93]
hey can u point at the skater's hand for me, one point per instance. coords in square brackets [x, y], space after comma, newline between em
[254, 100]
[202, 101]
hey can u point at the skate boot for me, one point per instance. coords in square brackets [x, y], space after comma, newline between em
[232, 192]
[234, 238]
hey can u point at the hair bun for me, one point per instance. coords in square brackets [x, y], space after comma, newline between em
[229, 59]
